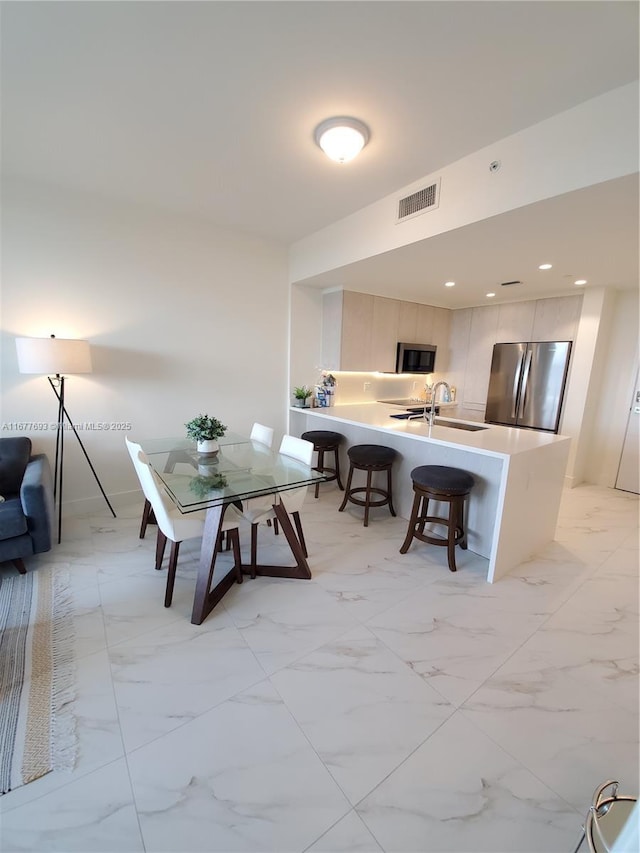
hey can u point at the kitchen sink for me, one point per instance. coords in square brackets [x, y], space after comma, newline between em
[412, 416]
[458, 425]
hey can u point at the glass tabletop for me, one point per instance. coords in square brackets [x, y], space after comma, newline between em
[240, 469]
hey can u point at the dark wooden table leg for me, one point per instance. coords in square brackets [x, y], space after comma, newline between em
[205, 599]
[301, 568]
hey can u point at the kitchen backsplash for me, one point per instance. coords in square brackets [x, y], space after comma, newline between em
[354, 387]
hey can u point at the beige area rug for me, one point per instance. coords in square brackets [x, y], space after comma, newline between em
[37, 726]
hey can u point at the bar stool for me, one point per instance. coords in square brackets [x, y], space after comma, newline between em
[369, 458]
[447, 485]
[325, 441]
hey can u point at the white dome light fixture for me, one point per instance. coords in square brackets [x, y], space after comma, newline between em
[342, 139]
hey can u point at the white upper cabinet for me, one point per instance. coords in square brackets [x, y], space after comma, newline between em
[482, 337]
[556, 319]
[515, 322]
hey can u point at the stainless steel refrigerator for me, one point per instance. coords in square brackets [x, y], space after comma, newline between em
[527, 384]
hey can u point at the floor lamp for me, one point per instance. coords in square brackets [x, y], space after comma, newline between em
[56, 357]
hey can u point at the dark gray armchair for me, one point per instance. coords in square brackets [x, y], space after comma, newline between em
[27, 512]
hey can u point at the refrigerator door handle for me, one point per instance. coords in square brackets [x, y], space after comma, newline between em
[516, 386]
[525, 381]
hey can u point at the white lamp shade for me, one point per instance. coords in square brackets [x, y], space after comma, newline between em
[53, 355]
[342, 139]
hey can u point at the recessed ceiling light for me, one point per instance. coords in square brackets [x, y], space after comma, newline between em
[580, 281]
[489, 295]
[342, 139]
[545, 266]
[449, 284]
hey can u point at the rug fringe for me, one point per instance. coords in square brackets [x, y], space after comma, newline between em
[64, 743]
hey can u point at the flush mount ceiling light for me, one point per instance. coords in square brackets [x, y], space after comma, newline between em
[544, 267]
[449, 284]
[342, 139]
[580, 281]
[490, 295]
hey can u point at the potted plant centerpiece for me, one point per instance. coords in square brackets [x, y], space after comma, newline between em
[205, 430]
[302, 394]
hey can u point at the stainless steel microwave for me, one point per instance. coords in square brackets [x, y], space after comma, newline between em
[415, 358]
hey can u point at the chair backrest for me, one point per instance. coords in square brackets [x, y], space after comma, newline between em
[297, 448]
[262, 434]
[302, 451]
[134, 449]
[152, 489]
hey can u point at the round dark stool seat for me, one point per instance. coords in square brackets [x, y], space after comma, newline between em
[445, 485]
[326, 441]
[370, 458]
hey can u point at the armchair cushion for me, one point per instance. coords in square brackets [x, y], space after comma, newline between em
[27, 513]
[14, 458]
[12, 519]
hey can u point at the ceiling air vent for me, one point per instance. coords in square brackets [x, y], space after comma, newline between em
[419, 202]
[509, 283]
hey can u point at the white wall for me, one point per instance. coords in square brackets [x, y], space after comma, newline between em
[182, 317]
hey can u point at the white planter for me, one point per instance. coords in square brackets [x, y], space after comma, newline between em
[207, 470]
[210, 446]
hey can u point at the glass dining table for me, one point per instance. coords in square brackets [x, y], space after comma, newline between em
[241, 469]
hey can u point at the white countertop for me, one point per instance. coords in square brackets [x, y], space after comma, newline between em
[493, 440]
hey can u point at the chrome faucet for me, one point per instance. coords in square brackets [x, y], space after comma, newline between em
[432, 410]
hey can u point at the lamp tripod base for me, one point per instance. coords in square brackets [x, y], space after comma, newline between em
[57, 385]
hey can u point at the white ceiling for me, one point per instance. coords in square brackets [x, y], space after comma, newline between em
[208, 108]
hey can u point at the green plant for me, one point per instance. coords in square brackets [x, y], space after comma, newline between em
[301, 392]
[205, 428]
[201, 486]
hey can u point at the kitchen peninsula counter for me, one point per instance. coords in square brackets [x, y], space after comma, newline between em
[519, 473]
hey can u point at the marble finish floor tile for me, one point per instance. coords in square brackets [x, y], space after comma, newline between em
[455, 636]
[348, 835]
[569, 735]
[175, 673]
[384, 705]
[90, 815]
[362, 709]
[282, 619]
[241, 777]
[461, 792]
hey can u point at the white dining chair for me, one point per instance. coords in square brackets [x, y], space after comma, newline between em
[262, 511]
[175, 526]
[262, 434]
[147, 512]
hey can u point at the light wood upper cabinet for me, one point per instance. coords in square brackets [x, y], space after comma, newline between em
[425, 324]
[361, 331]
[384, 337]
[441, 338]
[357, 331]
[408, 323]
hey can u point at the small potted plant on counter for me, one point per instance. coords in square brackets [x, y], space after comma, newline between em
[302, 394]
[205, 430]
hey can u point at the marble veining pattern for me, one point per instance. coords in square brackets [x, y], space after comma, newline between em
[384, 705]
